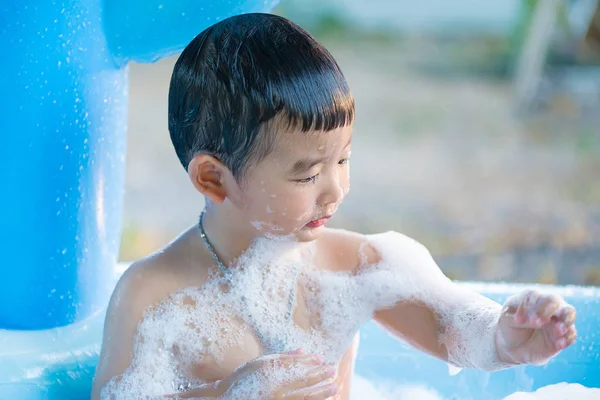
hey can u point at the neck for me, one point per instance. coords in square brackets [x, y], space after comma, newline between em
[230, 235]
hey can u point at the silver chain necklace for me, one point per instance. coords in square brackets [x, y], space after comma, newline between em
[277, 344]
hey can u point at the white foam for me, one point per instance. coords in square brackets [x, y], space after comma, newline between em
[559, 391]
[365, 389]
[260, 226]
[202, 322]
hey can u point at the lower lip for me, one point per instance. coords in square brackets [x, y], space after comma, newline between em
[317, 222]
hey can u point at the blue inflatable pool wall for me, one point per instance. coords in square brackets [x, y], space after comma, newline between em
[64, 112]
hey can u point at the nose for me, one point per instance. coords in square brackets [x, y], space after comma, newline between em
[334, 188]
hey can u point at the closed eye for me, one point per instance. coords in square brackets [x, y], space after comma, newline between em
[312, 179]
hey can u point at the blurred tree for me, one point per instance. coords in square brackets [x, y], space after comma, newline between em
[592, 37]
[533, 38]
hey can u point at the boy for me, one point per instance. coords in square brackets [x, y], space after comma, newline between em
[259, 300]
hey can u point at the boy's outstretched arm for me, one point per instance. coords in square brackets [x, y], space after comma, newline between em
[467, 329]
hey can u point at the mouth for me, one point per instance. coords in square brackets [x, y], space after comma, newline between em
[318, 222]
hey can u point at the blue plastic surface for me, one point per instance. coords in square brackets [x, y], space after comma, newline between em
[61, 361]
[63, 117]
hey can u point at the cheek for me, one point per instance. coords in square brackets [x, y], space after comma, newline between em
[269, 200]
[283, 205]
[290, 205]
[345, 182]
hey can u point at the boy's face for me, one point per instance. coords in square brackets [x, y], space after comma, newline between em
[300, 184]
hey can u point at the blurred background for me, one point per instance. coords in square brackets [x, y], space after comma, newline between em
[477, 133]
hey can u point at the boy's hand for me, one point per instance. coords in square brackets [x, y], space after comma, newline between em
[315, 385]
[534, 327]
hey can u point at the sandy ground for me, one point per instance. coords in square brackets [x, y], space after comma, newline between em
[445, 160]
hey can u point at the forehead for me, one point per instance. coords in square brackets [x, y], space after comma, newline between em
[291, 146]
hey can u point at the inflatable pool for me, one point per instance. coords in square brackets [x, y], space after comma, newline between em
[64, 109]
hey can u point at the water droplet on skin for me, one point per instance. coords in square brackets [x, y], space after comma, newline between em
[273, 196]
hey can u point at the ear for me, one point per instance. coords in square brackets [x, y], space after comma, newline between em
[208, 175]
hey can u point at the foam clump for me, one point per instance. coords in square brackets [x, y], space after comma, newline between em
[364, 389]
[559, 391]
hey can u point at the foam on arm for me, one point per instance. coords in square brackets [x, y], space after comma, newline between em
[466, 321]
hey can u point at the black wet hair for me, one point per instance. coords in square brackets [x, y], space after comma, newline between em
[236, 76]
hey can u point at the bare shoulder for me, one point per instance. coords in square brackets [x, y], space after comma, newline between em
[145, 283]
[148, 281]
[350, 251]
[343, 250]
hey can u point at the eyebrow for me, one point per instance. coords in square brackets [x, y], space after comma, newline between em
[306, 164]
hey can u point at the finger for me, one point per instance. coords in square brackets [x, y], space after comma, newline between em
[315, 377]
[313, 393]
[548, 306]
[322, 374]
[514, 301]
[242, 371]
[266, 363]
[559, 329]
[299, 350]
[571, 336]
[567, 340]
[567, 314]
[515, 307]
[250, 367]
[288, 361]
[523, 316]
